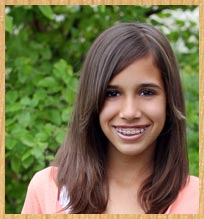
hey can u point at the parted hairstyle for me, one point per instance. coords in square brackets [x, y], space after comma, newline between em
[81, 160]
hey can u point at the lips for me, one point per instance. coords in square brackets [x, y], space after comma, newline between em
[130, 131]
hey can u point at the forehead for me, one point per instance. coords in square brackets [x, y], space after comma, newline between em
[142, 70]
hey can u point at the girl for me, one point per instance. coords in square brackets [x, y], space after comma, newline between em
[125, 150]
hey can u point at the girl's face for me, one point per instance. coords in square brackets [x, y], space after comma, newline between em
[134, 111]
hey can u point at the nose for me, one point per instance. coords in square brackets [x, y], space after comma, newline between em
[130, 109]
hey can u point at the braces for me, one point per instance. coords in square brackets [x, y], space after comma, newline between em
[130, 132]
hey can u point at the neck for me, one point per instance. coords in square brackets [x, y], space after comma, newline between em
[129, 170]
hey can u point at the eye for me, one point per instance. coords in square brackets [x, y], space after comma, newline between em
[147, 92]
[112, 93]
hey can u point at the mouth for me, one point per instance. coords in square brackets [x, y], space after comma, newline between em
[131, 131]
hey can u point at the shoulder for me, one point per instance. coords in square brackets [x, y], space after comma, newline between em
[42, 193]
[191, 188]
[47, 176]
[187, 201]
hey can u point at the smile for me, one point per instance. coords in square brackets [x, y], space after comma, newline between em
[130, 131]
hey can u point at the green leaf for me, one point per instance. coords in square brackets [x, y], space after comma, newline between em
[69, 96]
[25, 101]
[42, 136]
[66, 113]
[24, 119]
[74, 84]
[28, 162]
[26, 155]
[54, 116]
[47, 82]
[8, 23]
[13, 107]
[60, 137]
[28, 140]
[11, 96]
[10, 143]
[40, 94]
[102, 8]
[46, 11]
[49, 128]
[28, 7]
[63, 71]
[37, 153]
[15, 164]
[11, 121]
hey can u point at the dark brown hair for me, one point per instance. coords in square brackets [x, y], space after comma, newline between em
[81, 160]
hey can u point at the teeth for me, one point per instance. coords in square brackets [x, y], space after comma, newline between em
[130, 131]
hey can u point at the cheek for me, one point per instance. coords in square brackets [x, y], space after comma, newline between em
[156, 110]
[108, 112]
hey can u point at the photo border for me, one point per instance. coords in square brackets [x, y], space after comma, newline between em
[200, 3]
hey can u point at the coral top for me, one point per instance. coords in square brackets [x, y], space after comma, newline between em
[42, 196]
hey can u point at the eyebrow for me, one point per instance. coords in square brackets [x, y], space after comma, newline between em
[150, 85]
[140, 85]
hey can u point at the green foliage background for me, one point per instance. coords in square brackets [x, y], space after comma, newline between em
[45, 48]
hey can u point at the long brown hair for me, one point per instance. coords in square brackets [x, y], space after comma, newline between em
[81, 160]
